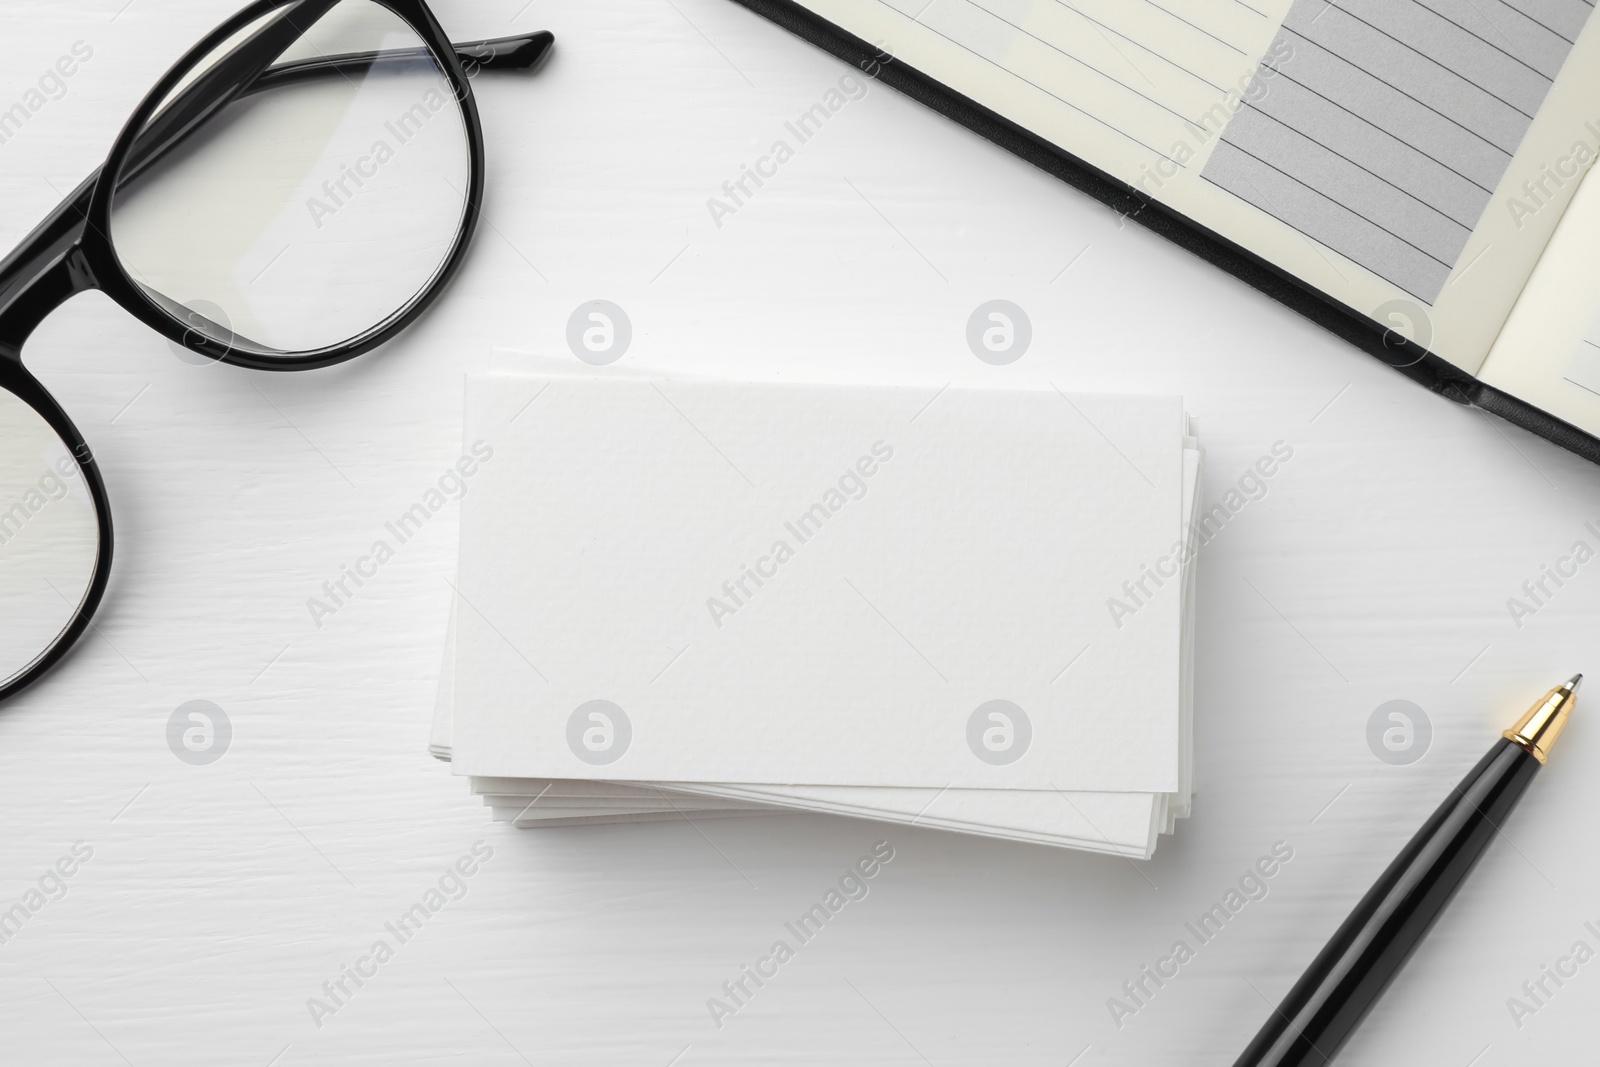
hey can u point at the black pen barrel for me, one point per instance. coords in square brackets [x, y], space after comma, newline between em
[1371, 946]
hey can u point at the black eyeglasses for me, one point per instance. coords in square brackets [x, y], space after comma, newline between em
[294, 193]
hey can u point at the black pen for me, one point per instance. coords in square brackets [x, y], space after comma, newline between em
[1369, 948]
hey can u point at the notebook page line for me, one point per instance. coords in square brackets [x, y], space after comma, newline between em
[1118, 128]
[1201, 29]
[1459, 103]
[1353, 65]
[1453, 74]
[1515, 55]
[1432, 209]
[1089, 66]
[1390, 134]
[1346, 166]
[1140, 45]
[1515, 13]
[1179, 100]
[1332, 200]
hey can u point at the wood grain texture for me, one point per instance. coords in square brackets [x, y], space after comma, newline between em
[218, 900]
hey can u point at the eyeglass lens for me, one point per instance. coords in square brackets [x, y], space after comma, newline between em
[310, 209]
[49, 536]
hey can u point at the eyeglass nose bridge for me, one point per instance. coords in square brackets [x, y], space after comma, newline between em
[45, 271]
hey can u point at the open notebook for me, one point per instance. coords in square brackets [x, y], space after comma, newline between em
[1406, 172]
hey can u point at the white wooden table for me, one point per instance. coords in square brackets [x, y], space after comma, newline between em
[220, 899]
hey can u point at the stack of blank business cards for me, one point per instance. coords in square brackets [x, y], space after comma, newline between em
[963, 609]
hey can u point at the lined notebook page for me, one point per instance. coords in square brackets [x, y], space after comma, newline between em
[1583, 366]
[1147, 71]
[1387, 129]
[1549, 352]
[1360, 146]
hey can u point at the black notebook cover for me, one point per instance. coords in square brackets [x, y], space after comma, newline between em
[1404, 355]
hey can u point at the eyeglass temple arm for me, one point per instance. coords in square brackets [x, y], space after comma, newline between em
[249, 69]
[522, 52]
[62, 228]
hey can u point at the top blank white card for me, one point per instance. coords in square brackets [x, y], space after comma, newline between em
[786, 584]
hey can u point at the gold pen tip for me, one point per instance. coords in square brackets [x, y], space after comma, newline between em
[1541, 724]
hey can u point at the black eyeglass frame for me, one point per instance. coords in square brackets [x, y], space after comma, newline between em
[71, 251]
